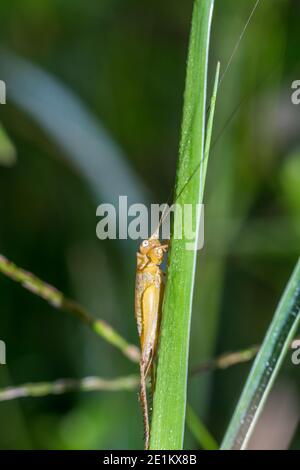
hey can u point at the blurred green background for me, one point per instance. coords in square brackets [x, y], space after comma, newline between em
[94, 98]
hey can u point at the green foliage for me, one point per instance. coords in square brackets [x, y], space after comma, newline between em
[199, 431]
[267, 365]
[121, 65]
[171, 383]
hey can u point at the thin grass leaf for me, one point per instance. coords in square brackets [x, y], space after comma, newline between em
[61, 386]
[266, 366]
[170, 394]
[199, 431]
[58, 300]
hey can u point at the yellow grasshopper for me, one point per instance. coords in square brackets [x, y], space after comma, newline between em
[149, 291]
[149, 288]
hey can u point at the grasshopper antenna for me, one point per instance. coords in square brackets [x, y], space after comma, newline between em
[235, 49]
[238, 43]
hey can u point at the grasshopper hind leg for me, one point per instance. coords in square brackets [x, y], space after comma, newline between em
[144, 405]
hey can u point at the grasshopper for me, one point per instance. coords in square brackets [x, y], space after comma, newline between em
[149, 287]
[149, 290]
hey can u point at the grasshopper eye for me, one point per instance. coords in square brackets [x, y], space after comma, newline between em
[145, 243]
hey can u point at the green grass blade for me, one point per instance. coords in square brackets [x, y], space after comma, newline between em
[199, 431]
[266, 366]
[169, 404]
[203, 166]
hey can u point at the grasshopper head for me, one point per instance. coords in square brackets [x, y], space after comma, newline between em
[156, 254]
[147, 245]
